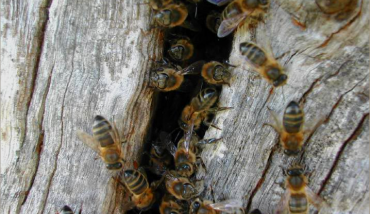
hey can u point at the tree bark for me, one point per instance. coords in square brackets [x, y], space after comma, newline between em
[63, 62]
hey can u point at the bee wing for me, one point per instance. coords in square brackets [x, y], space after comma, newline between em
[314, 199]
[229, 206]
[188, 135]
[228, 25]
[194, 68]
[89, 140]
[171, 147]
[219, 2]
[283, 204]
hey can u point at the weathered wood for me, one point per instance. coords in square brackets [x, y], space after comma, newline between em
[64, 65]
[327, 64]
[63, 62]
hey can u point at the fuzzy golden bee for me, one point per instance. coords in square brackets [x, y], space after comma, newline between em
[171, 15]
[186, 154]
[199, 206]
[237, 11]
[105, 141]
[181, 49]
[180, 187]
[291, 129]
[199, 109]
[216, 73]
[265, 64]
[143, 195]
[298, 195]
[169, 77]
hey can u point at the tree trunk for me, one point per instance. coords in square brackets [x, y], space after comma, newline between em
[63, 62]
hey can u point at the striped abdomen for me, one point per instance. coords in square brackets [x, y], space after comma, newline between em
[254, 54]
[135, 181]
[293, 118]
[298, 204]
[102, 131]
[204, 100]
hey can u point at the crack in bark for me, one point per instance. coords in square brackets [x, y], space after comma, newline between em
[310, 89]
[262, 179]
[40, 142]
[342, 28]
[40, 33]
[351, 138]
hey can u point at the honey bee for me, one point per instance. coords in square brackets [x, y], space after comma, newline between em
[160, 159]
[169, 77]
[216, 73]
[181, 49]
[158, 4]
[291, 129]
[171, 15]
[265, 64]
[105, 141]
[199, 206]
[180, 187]
[143, 196]
[213, 21]
[199, 109]
[170, 205]
[342, 8]
[298, 194]
[237, 11]
[186, 154]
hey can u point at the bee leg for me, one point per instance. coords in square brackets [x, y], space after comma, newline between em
[208, 141]
[211, 124]
[201, 163]
[217, 109]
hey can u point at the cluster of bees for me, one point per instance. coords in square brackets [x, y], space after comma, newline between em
[175, 163]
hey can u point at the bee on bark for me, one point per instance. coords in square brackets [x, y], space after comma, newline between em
[186, 155]
[291, 129]
[237, 11]
[170, 77]
[342, 9]
[199, 109]
[171, 15]
[143, 196]
[216, 73]
[170, 205]
[199, 206]
[265, 64]
[181, 49]
[298, 195]
[105, 141]
[180, 187]
[213, 21]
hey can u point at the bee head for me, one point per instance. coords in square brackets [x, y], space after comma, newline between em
[163, 17]
[195, 206]
[177, 52]
[185, 169]
[159, 80]
[295, 171]
[221, 74]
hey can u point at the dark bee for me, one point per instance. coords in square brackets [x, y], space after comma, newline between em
[170, 205]
[181, 49]
[106, 142]
[216, 73]
[264, 64]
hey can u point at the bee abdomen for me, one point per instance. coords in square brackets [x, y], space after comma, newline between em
[298, 204]
[136, 181]
[253, 53]
[205, 99]
[293, 118]
[101, 131]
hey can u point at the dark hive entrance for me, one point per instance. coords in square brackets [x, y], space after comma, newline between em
[169, 105]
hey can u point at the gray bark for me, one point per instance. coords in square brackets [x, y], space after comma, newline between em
[63, 62]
